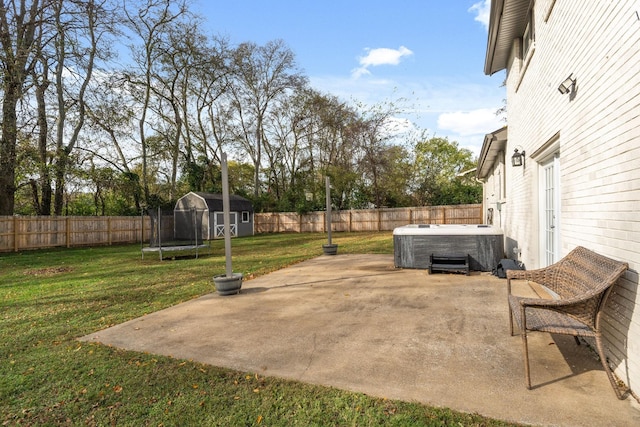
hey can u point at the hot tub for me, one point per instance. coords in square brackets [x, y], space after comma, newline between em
[414, 244]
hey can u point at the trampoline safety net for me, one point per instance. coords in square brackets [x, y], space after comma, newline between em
[174, 231]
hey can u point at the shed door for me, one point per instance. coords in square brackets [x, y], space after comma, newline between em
[550, 214]
[219, 224]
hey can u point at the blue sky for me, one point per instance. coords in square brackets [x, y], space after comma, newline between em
[429, 52]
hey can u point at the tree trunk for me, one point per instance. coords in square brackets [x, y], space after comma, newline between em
[42, 206]
[16, 39]
[60, 169]
[256, 177]
[63, 151]
[8, 146]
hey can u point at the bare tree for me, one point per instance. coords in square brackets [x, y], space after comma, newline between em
[331, 144]
[209, 122]
[110, 111]
[165, 119]
[80, 26]
[19, 26]
[374, 133]
[42, 193]
[183, 56]
[150, 23]
[261, 74]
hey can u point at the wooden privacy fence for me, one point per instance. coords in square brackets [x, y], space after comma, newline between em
[37, 232]
[366, 219]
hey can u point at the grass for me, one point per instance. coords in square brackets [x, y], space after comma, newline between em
[48, 298]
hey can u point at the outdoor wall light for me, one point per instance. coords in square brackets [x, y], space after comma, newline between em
[517, 159]
[567, 85]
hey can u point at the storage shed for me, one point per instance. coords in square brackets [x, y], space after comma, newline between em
[205, 211]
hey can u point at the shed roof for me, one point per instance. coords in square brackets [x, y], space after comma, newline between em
[214, 201]
[507, 21]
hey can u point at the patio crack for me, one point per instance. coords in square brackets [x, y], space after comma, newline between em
[311, 356]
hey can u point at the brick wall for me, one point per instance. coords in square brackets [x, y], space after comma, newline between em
[595, 131]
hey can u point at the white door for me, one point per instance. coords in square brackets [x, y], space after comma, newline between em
[550, 214]
[219, 224]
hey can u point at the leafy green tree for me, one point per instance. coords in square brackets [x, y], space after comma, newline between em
[202, 175]
[438, 163]
[395, 176]
[127, 194]
[343, 184]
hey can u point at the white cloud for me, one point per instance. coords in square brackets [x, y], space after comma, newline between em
[384, 56]
[356, 73]
[379, 56]
[466, 123]
[481, 9]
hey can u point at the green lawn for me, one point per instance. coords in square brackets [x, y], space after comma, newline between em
[48, 298]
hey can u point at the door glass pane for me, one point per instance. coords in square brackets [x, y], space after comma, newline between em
[549, 214]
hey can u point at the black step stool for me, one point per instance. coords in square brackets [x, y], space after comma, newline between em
[449, 263]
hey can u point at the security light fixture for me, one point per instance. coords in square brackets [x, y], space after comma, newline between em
[517, 159]
[567, 85]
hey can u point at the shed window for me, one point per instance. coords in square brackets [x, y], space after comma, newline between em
[245, 216]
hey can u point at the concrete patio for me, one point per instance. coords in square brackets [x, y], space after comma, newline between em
[357, 323]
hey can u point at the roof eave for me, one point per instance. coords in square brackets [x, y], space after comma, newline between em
[507, 21]
[494, 143]
[492, 37]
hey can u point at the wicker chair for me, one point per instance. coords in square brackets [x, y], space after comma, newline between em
[580, 284]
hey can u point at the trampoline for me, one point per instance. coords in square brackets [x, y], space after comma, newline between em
[163, 240]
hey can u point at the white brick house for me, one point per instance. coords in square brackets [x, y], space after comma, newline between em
[580, 183]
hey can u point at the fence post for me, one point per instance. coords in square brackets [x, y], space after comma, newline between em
[15, 234]
[109, 230]
[67, 227]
